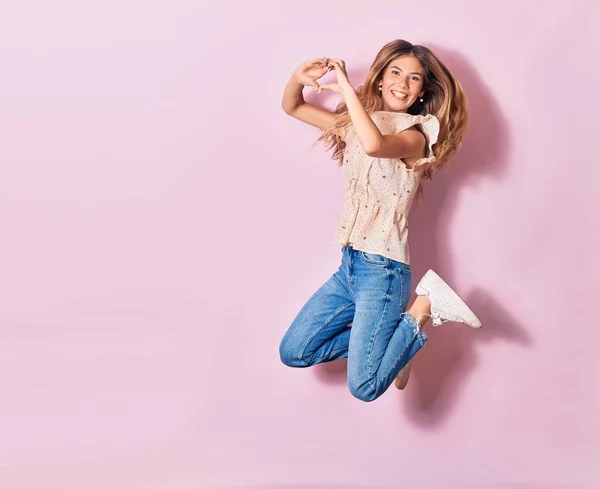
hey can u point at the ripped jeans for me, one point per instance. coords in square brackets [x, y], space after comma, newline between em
[359, 314]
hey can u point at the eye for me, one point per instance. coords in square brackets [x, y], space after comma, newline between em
[395, 72]
[415, 78]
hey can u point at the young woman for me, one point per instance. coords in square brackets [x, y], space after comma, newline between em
[383, 135]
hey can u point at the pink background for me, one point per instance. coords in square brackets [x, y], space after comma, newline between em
[163, 221]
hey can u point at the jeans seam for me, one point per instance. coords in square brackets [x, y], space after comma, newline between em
[401, 290]
[372, 379]
[410, 343]
[318, 330]
[417, 335]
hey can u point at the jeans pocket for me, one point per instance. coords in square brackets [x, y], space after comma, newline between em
[375, 259]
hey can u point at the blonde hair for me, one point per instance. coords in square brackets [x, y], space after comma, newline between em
[443, 97]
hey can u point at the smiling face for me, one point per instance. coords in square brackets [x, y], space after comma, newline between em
[402, 83]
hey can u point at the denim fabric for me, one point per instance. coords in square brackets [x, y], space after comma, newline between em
[359, 314]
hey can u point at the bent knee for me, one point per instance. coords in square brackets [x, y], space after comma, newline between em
[363, 391]
[290, 355]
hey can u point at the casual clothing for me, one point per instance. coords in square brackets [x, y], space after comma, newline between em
[380, 191]
[359, 313]
[369, 293]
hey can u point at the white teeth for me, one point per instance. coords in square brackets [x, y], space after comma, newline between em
[398, 94]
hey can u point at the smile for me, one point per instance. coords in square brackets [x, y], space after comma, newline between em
[399, 95]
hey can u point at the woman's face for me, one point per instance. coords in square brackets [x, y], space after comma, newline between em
[402, 83]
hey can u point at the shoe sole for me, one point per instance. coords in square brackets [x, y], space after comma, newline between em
[438, 282]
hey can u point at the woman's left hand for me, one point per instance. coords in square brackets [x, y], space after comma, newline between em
[342, 85]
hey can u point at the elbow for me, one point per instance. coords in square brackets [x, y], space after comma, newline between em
[289, 109]
[373, 149]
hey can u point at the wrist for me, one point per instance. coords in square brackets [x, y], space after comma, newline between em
[301, 80]
[348, 90]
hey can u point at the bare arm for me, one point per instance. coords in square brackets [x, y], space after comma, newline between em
[293, 102]
[406, 144]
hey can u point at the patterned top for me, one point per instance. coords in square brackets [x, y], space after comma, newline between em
[380, 191]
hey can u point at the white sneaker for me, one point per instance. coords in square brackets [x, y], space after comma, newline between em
[402, 378]
[446, 305]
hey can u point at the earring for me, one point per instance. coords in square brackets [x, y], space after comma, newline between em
[421, 100]
[380, 87]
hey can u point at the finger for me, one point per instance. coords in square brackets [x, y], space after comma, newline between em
[340, 63]
[338, 69]
[315, 62]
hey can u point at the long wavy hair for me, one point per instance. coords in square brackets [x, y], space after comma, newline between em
[443, 97]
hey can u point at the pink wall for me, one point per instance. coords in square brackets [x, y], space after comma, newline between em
[163, 221]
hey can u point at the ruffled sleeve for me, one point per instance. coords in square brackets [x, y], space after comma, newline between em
[396, 122]
[431, 129]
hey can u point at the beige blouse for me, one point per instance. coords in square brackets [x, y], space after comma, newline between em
[380, 191]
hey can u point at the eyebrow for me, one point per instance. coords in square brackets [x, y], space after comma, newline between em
[412, 73]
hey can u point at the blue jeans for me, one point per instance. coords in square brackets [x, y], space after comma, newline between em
[359, 314]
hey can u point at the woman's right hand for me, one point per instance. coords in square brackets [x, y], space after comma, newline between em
[309, 72]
